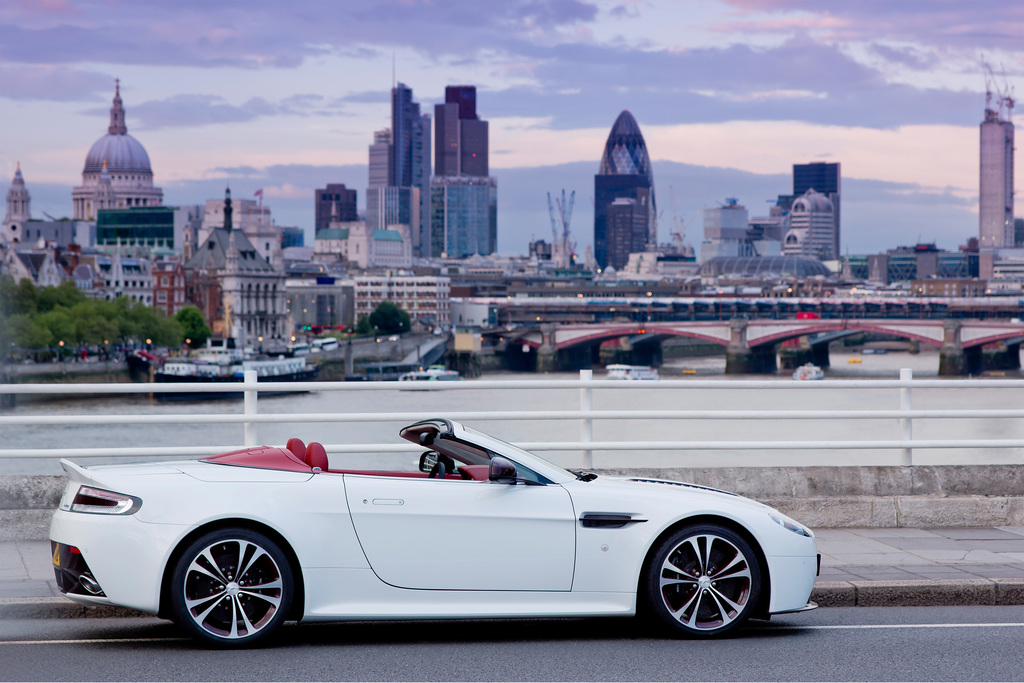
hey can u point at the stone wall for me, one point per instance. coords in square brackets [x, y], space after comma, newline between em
[823, 497]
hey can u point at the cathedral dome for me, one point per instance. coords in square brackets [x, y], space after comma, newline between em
[122, 153]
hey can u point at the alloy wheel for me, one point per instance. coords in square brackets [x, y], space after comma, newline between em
[707, 581]
[233, 588]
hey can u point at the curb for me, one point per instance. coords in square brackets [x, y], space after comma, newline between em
[949, 592]
[969, 592]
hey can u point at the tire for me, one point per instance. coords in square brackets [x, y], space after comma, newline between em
[702, 581]
[225, 608]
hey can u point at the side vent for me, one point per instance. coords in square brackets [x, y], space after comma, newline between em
[607, 520]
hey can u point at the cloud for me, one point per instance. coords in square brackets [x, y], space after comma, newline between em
[258, 34]
[914, 59]
[799, 80]
[958, 24]
[53, 82]
[189, 111]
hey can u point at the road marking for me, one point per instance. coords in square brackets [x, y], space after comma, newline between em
[848, 627]
[91, 641]
[833, 627]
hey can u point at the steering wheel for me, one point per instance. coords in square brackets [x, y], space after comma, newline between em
[443, 466]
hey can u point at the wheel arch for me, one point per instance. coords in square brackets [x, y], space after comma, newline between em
[763, 600]
[298, 603]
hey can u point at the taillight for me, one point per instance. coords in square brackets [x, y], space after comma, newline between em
[101, 502]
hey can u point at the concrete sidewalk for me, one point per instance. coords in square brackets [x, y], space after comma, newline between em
[869, 567]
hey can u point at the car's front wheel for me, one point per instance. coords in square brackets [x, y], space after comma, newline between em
[703, 581]
[232, 588]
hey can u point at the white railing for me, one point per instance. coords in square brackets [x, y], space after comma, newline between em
[901, 448]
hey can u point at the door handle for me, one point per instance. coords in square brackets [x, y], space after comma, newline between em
[388, 501]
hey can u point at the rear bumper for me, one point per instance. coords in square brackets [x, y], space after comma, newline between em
[125, 557]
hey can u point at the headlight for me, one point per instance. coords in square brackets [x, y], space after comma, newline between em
[100, 502]
[789, 524]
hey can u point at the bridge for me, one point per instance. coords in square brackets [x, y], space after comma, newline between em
[751, 344]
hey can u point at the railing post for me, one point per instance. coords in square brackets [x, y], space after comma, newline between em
[907, 423]
[587, 424]
[251, 438]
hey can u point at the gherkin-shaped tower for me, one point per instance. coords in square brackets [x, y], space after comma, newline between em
[624, 207]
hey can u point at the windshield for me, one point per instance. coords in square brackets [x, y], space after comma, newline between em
[517, 450]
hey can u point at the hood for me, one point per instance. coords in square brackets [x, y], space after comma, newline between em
[667, 489]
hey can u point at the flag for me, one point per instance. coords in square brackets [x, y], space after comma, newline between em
[258, 193]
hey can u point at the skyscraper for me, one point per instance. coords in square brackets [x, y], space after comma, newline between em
[995, 197]
[461, 139]
[824, 178]
[334, 203]
[463, 198]
[625, 173]
[404, 197]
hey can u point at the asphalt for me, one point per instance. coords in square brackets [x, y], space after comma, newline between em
[859, 567]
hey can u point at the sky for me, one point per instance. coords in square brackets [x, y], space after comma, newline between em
[729, 94]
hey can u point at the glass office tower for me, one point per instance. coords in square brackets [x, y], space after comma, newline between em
[625, 173]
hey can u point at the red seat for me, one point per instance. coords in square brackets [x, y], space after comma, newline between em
[297, 447]
[316, 456]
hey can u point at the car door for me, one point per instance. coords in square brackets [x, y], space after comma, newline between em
[447, 534]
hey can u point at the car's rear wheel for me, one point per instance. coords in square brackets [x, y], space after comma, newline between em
[703, 581]
[232, 588]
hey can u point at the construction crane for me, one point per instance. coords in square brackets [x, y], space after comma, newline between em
[1004, 94]
[562, 246]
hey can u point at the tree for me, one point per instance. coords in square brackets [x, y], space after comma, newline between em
[364, 326]
[64, 295]
[193, 326]
[24, 333]
[390, 319]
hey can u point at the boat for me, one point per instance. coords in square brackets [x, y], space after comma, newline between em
[808, 371]
[222, 363]
[434, 373]
[631, 372]
[324, 344]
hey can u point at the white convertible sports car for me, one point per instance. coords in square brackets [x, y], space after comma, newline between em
[232, 546]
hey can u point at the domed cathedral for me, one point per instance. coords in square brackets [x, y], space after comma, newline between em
[117, 173]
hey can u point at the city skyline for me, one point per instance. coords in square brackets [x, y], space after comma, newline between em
[738, 90]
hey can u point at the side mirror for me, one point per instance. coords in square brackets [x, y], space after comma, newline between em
[502, 471]
[427, 461]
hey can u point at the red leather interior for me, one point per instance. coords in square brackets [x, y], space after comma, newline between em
[476, 472]
[296, 446]
[316, 456]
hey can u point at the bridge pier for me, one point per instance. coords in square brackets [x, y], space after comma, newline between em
[954, 359]
[547, 353]
[741, 359]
